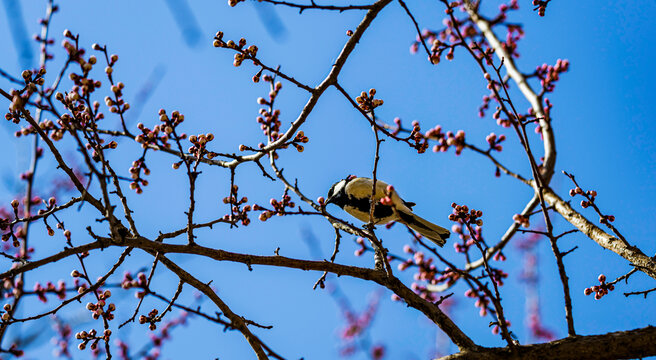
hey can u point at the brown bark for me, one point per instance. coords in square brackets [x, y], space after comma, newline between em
[631, 253]
[631, 344]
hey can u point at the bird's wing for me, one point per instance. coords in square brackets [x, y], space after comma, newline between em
[409, 204]
[361, 188]
[433, 232]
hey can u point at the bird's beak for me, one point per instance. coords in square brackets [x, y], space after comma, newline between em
[330, 200]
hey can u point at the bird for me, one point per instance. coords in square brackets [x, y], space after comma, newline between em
[353, 194]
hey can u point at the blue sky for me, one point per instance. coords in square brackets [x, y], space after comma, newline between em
[602, 116]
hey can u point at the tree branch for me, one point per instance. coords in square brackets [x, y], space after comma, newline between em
[636, 343]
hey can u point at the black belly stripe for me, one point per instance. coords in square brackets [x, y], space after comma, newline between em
[380, 211]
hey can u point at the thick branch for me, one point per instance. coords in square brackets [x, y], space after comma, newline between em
[523, 85]
[429, 309]
[236, 320]
[607, 241]
[617, 345]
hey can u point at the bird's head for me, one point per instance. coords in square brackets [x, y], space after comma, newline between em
[337, 193]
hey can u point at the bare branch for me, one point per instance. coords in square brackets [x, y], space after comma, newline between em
[637, 343]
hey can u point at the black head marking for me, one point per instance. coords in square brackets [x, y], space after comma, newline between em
[337, 193]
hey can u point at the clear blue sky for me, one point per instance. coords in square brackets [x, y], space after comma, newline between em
[603, 118]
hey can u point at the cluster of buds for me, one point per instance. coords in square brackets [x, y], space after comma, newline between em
[4, 228]
[457, 140]
[151, 318]
[117, 106]
[55, 132]
[59, 290]
[437, 135]
[18, 100]
[495, 141]
[76, 54]
[140, 282]
[199, 146]
[81, 286]
[441, 41]
[33, 77]
[366, 101]
[387, 199]
[21, 97]
[549, 75]
[160, 134]
[420, 140]
[499, 256]
[237, 213]
[123, 349]
[73, 51]
[112, 59]
[98, 308]
[486, 102]
[170, 124]
[446, 140]
[97, 145]
[157, 340]
[12, 287]
[427, 272]
[279, 207]
[446, 39]
[522, 220]
[448, 277]
[501, 121]
[269, 119]
[463, 215]
[497, 275]
[61, 341]
[600, 290]
[242, 54]
[504, 8]
[138, 166]
[496, 329]
[357, 324]
[438, 48]
[538, 330]
[6, 315]
[45, 41]
[590, 197]
[9, 232]
[92, 337]
[299, 139]
[515, 33]
[466, 239]
[482, 301]
[540, 6]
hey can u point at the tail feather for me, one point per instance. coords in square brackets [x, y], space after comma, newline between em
[433, 232]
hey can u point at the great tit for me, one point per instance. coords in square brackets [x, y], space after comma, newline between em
[353, 194]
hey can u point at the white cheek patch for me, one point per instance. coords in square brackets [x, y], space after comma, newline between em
[339, 187]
